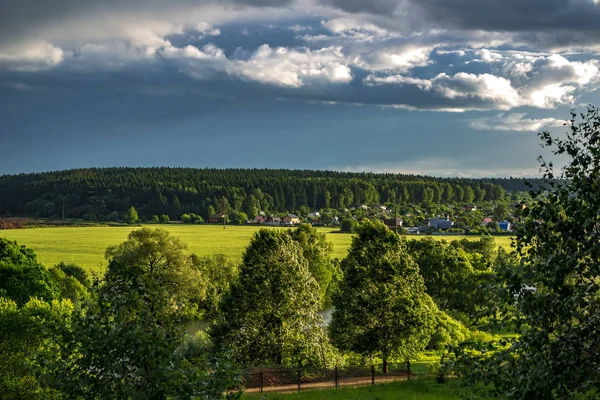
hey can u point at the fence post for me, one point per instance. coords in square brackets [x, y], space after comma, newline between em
[261, 382]
[408, 369]
[299, 379]
[336, 377]
[372, 374]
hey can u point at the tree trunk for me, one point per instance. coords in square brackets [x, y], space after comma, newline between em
[385, 365]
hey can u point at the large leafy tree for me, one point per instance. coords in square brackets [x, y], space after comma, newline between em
[317, 251]
[164, 263]
[30, 336]
[127, 342]
[555, 291]
[382, 308]
[21, 276]
[271, 315]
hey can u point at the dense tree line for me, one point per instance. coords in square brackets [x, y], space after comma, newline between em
[108, 193]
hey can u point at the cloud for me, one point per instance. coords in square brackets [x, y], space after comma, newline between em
[459, 92]
[514, 122]
[293, 68]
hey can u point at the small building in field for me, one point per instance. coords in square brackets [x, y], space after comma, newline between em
[273, 220]
[216, 218]
[442, 224]
[504, 225]
[291, 219]
[486, 221]
[393, 223]
[259, 219]
[313, 215]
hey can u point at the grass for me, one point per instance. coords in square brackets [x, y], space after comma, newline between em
[416, 389]
[85, 246]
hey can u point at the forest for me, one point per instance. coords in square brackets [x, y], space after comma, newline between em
[96, 193]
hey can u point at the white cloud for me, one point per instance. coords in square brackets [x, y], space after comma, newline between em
[279, 66]
[478, 92]
[514, 122]
[401, 58]
[31, 56]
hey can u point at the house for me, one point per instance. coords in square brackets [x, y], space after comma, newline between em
[291, 219]
[259, 219]
[313, 215]
[486, 221]
[441, 223]
[424, 227]
[216, 218]
[504, 225]
[413, 230]
[273, 220]
[393, 223]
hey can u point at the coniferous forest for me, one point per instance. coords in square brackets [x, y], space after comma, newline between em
[98, 192]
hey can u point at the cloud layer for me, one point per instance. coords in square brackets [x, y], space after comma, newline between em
[445, 55]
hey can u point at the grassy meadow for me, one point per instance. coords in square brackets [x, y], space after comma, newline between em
[85, 246]
[416, 389]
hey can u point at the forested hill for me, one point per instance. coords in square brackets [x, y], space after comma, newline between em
[98, 192]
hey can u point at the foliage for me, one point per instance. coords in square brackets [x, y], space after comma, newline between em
[381, 308]
[348, 225]
[175, 191]
[317, 251]
[218, 273]
[131, 216]
[67, 286]
[75, 271]
[555, 291]
[29, 338]
[270, 316]
[450, 277]
[163, 262]
[21, 276]
[127, 345]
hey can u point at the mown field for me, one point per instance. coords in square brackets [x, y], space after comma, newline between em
[85, 246]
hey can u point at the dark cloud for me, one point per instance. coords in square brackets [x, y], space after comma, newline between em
[488, 15]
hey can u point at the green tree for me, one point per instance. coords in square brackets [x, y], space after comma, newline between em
[21, 276]
[30, 337]
[218, 273]
[501, 211]
[382, 307]
[164, 218]
[155, 219]
[162, 261]
[131, 216]
[126, 343]
[317, 251]
[270, 316]
[348, 225]
[555, 290]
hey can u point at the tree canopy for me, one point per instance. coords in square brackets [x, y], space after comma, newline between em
[382, 307]
[270, 316]
[555, 290]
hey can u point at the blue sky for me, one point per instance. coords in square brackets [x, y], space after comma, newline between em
[441, 87]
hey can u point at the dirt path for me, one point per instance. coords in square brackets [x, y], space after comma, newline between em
[359, 381]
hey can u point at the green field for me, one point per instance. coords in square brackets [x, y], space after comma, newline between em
[417, 389]
[85, 246]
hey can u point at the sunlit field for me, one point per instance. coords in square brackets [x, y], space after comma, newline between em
[85, 246]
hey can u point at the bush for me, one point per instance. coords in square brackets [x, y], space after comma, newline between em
[164, 219]
[349, 225]
[113, 217]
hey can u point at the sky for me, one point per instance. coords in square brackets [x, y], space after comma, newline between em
[436, 87]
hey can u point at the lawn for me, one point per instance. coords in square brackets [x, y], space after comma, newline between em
[416, 389]
[85, 246]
